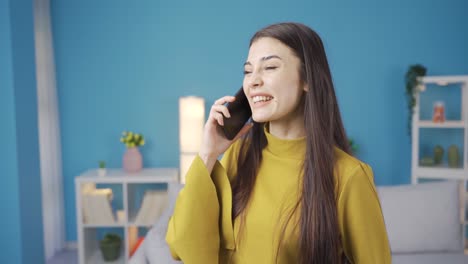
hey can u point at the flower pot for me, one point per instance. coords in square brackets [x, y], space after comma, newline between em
[110, 248]
[132, 160]
[102, 172]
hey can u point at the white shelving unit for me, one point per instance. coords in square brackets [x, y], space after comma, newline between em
[440, 172]
[443, 172]
[88, 245]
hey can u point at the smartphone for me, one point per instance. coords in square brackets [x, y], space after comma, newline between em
[240, 113]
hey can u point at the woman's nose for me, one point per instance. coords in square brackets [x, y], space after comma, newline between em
[255, 81]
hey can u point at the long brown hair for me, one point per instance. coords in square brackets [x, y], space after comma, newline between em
[319, 236]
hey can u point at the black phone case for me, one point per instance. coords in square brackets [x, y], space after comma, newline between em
[240, 113]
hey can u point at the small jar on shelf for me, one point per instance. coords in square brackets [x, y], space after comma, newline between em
[438, 114]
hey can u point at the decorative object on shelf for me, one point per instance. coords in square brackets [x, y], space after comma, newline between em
[438, 114]
[152, 206]
[438, 154]
[102, 168]
[110, 247]
[412, 84]
[137, 245]
[96, 204]
[427, 161]
[453, 156]
[132, 238]
[191, 122]
[121, 216]
[132, 159]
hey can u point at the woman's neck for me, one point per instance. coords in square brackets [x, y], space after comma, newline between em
[291, 128]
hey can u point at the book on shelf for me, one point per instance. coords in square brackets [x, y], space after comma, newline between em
[96, 204]
[154, 203]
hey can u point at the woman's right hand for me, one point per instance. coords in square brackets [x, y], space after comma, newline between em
[214, 143]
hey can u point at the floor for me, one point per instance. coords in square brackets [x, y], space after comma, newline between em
[67, 256]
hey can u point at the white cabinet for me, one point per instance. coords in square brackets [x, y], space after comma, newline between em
[451, 130]
[441, 171]
[127, 196]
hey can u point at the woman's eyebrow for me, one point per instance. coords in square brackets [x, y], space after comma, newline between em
[264, 59]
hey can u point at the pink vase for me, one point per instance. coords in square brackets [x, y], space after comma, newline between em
[132, 160]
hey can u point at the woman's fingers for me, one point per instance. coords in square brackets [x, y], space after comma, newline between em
[218, 117]
[223, 109]
[224, 100]
[219, 110]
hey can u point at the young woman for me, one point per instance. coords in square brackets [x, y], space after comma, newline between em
[287, 189]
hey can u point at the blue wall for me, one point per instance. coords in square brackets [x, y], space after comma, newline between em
[21, 240]
[27, 132]
[10, 239]
[123, 66]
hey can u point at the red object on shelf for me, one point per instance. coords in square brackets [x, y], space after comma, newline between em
[438, 116]
[137, 245]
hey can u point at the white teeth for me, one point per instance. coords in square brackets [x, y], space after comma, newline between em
[257, 99]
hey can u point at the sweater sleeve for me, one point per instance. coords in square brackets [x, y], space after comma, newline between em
[193, 233]
[362, 225]
[201, 222]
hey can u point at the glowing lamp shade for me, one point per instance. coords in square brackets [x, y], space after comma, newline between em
[191, 122]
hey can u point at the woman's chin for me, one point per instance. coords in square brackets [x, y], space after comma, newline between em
[260, 118]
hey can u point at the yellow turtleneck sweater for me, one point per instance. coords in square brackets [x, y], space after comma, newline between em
[201, 230]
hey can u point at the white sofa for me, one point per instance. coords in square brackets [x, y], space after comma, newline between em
[423, 224]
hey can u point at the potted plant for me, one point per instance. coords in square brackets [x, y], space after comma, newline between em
[110, 247]
[352, 145]
[132, 159]
[102, 168]
[412, 80]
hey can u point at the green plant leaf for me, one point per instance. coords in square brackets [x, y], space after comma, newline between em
[411, 80]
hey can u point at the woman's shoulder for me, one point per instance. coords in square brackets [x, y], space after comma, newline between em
[345, 160]
[348, 167]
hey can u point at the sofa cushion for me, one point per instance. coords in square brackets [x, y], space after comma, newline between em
[430, 258]
[422, 217]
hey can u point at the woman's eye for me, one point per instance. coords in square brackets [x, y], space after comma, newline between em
[246, 72]
[271, 68]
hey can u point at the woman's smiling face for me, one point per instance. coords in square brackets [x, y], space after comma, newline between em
[272, 81]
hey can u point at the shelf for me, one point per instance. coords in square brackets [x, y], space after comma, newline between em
[140, 225]
[104, 225]
[149, 175]
[444, 80]
[434, 172]
[446, 124]
[132, 223]
[96, 258]
[426, 133]
[126, 190]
